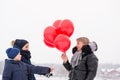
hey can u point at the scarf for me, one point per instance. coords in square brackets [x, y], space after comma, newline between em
[26, 54]
[75, 59]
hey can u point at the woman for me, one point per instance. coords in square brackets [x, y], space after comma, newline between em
[23, 46]
[84, 63]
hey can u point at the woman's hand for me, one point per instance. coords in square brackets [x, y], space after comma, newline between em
[64, 57]
[51, 72]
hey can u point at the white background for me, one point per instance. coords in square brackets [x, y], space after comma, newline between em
[99, 20]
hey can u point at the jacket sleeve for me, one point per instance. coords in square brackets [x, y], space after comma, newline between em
[92, 64]
[67, 65]
[7, 73]
[38, 69]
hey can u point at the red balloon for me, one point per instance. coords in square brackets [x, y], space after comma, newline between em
[49, 44]
[50, 34]
[66, 27]
[62, 42]
[57, 23]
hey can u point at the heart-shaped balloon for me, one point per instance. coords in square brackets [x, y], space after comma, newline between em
[50, 34]
[66, 27]
[62, 42]
[57, 23]
[49, 44]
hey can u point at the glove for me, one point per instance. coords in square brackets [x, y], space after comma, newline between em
[86, 49]
[74, 49]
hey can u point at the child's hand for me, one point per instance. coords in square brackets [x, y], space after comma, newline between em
[51, 70]
[64, 57]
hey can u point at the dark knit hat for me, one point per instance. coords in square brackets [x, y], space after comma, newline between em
[12, 52]
[20, 43]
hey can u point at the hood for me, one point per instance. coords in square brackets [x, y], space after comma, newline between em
[93, 46]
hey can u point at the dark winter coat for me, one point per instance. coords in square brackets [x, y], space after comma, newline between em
[18, 70]
[26, 55]
[86, 68]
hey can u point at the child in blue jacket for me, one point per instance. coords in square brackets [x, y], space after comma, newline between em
[15, 69]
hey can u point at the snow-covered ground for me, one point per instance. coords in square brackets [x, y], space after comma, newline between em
[65, 78]
[45, 78]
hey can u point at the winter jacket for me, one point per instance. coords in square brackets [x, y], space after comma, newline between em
[86, 68]
[18, 70]
[26, 55]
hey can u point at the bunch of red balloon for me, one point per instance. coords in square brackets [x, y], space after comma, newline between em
[58, 34]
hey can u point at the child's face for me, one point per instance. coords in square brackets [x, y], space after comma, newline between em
[79, 45]
[26, 47]
[18, 57]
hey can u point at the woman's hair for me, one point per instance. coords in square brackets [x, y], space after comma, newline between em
[12, 43]
[85, 40]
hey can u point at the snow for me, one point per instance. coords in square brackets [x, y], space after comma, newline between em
[65, 78]
[118, 69]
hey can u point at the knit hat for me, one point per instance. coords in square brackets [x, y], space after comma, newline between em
[93, 46]
[20, 43]
[12, 52]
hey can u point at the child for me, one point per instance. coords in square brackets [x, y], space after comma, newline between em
[84, 63]
[15, 69]
[23, 46]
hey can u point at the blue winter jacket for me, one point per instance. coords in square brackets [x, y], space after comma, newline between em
[26, 56]
[18, 70]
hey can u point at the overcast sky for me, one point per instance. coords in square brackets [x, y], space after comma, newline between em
[99, 20]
